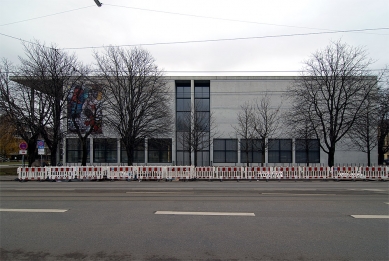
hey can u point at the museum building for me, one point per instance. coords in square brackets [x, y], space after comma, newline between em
[218, 99]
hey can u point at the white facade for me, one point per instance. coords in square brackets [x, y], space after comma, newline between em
[226, 95]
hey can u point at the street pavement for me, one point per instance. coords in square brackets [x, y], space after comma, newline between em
[316, 220]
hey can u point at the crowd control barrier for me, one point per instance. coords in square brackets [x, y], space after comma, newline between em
[184, 173]
[150, 173]
[123, 173]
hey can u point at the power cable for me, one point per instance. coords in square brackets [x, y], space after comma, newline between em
[39, 17]
[215, 18]
[230, 39]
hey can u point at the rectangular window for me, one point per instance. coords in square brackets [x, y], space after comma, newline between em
[225, 150]
[250, 151]
[105, 150]
[160, 150]
[139, 153]
[74, 151]
[280, 151]
[307, 151]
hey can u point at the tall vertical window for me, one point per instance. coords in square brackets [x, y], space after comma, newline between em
[225, 150]
[139, 153]
[105, 150]
[74, 150]
[280, 151]
[202, 121]
[250, 151]
[307, 151]
[159, 150]
[183, 121]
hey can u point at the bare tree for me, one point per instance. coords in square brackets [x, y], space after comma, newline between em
[84, 109]
[383, 123]
[245, 129]
[47, 72]
[18, 102]
[300, 128]
[331, 92]
[266, 123]
[137, 99]
[197, 129]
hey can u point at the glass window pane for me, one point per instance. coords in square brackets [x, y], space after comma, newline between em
[286, 144]
[274, 144]
[231, 156]
[219, 144]
[232, 144]
[218, 156]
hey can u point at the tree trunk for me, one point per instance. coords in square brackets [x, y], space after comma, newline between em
[331, 156]
[84, 151]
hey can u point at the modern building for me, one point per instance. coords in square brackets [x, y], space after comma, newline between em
[217, 99]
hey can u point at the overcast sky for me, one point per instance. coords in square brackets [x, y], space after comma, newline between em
[278, 34]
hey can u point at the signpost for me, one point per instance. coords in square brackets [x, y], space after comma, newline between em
[23, 150]
[41, 149]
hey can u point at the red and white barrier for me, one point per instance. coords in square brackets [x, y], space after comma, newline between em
[150, 173]
[202, 173]
[205, 173]
[179, 173]
[123, 173]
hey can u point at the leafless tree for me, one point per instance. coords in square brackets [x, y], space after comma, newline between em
[46, 73]
[245, 129]
[257, 122]
[197, 129]
[331, 92]
[266, 122]
[137, 99]
[383, 122]
[84, 109]
[18, 102]
[300, 128]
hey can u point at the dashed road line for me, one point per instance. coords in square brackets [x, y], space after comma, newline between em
[204, 213]
[31, 210]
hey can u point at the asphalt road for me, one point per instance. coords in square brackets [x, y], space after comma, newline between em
[210, 220]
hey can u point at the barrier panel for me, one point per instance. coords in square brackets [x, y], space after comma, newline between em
[375, 173]
[150, 173]
[314, 172]
[32, 173]
[258, 173]
[205, 173]
[179, 173]
[348, 173]
[288, 172]
[229, 173]
[123, 173]
[61, 173]
[91, 172]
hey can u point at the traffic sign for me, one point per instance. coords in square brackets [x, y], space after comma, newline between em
[40, 144]
[23, 145]
[23, 152]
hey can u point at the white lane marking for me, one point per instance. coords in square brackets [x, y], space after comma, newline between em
[296, 194]
[387, 203]
[31, 210]
[204, 213]
[48, 189]
[151, 192]
[370, 216]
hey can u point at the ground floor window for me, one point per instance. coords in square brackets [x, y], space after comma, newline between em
[307, 151]
[105, 150]
[250, 151]
[159, 150]
[74, 150]
[139, 153]
[225, 150]
[280, 151]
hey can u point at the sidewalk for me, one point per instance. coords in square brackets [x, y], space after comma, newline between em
[8, 177]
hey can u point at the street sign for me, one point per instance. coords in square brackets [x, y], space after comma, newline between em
[23, 145]
[40, 144]
[41, 151]
[23, 152]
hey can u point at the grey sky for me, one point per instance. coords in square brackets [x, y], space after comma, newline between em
[133, 22]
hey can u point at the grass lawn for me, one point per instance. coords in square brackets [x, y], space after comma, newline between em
[9, 168]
